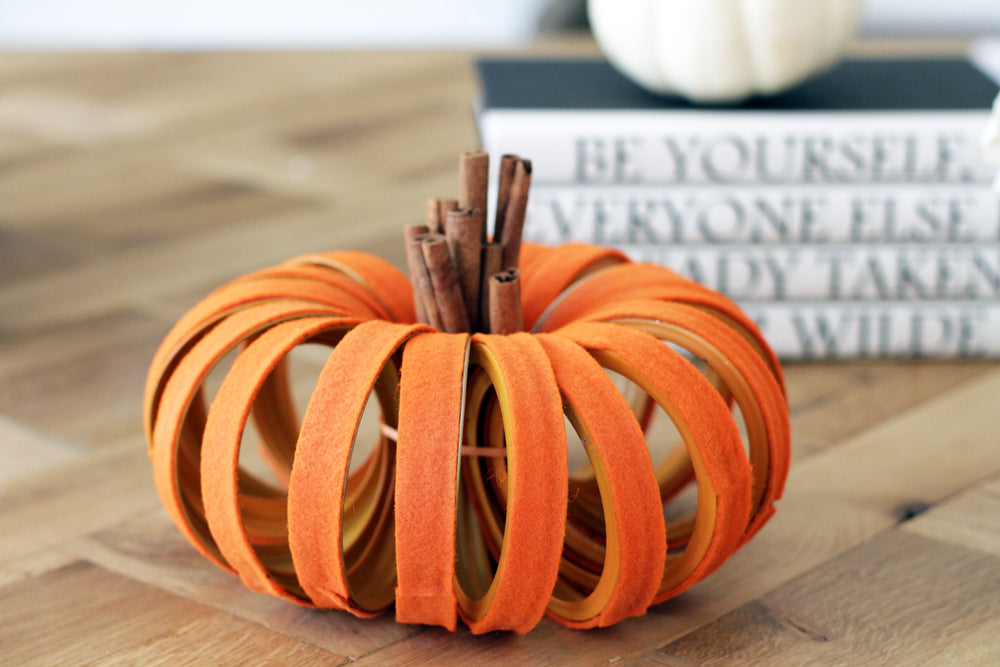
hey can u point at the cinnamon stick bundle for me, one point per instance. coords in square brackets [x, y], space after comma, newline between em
[462, 280]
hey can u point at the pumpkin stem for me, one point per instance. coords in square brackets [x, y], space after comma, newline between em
[462, 281]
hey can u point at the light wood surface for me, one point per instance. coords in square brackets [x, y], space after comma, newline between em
[133, 183]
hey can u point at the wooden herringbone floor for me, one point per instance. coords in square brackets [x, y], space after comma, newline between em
[133, 183]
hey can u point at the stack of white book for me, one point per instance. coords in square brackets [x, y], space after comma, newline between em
[850, 217]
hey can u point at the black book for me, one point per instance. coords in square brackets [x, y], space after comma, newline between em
[940, 84]
[864, 121]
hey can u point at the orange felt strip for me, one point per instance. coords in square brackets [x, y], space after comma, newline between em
[381, 283]
[276, 418]
[177, 438]
[552, 271]
[329, 275]
[431, 406]
[726, 352]
[649, 281]
[225, 506]
[636, 539]
[530, 253]
[319, 473]
[626, 281]
[231, 298]
[704, 422]
[385, 281]
[537, 480]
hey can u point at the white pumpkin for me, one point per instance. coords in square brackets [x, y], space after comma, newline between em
[723, 50]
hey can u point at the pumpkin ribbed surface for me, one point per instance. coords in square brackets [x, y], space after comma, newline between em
[466, 507]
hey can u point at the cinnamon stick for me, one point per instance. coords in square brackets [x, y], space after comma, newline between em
[512, 228]
[506, 314]
[492, 263]
[507, 165]
[420, 279]
[437, 211]
[433, 217]
[444, 278]
[474, 177]
[463, 231]
[445, 205]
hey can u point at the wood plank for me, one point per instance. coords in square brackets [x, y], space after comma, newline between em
[63, 117]
[33, 565]
[79, 379]
[168, 91]
[417, 157]
[830, 401]
[168, 94]
[26, 451]
[134, 276]
[26, 253]
[834, 501]
[64, 340]
[124, 202]
[49, 509]
[149, 548]
[18, 151]
[970, 519]
[81, 602]
[900, 599]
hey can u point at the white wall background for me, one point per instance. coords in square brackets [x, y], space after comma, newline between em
[928, 17]
[352, 23]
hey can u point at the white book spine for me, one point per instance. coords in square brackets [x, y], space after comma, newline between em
[910, 330]
[763, 214]
[741, 148]
[838, 272]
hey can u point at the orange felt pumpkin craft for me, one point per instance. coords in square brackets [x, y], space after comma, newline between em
[489, 366]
